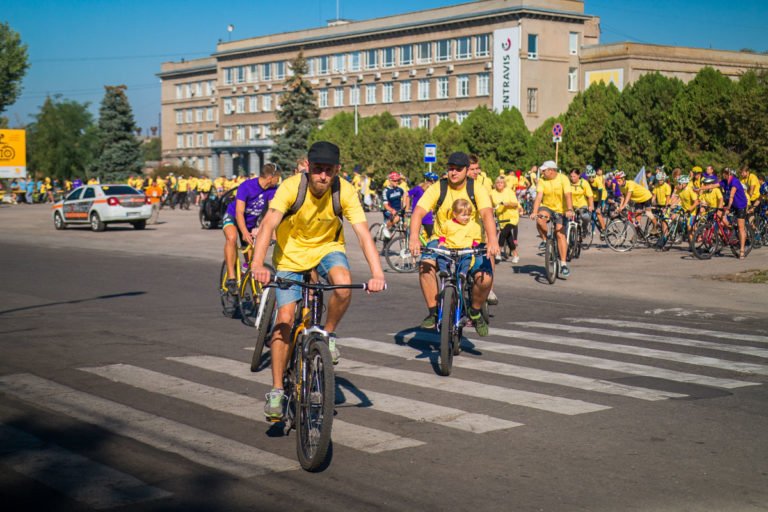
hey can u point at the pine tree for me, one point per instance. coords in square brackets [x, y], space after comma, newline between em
[297, 117]
[120, 154]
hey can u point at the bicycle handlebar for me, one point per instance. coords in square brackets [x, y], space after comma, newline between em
[456, 253]
[284, 283]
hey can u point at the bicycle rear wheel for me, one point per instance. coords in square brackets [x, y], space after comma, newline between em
[704, 241]
[228, 301]
[265, 320]
[377, 233]
[588, 237]
[550, 261]
[620, 235]
[398, 255]
[314, 409]
[446, 330]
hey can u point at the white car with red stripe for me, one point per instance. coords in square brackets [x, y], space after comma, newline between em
[99, 205]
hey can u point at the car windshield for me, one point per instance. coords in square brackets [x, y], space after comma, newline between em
[119, 190]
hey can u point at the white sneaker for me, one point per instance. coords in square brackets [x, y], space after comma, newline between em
[387, 233]
[335, 355]
[492, 299]
[515, 259]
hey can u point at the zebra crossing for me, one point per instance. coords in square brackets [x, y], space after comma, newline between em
[590, 357]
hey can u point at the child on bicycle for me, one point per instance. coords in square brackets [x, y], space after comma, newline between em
[458, 233]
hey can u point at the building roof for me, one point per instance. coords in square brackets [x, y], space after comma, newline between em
[628, 49]
[187, 67]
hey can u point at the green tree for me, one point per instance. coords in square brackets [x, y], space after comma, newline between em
[483, 132]
[513, 148]
[13, 65]
[748, 119]
[449, 139]
[297, 117]
[62, 141]
[585, 123]
[340, 130]
[151, 150]
[119, 153]
[540, 145]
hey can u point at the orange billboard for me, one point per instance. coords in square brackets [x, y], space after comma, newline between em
[13, 153]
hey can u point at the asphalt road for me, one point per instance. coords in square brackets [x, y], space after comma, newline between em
[639, 384]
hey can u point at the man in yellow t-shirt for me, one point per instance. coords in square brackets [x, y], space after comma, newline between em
[507, 210]
[553, 198]
[662, 190]
[751, 186]
[481, 219]
[640, 196]
[477, 174]
[311, 238]
[582, 199]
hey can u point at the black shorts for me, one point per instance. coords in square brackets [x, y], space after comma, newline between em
[739, 213]
[644, 205]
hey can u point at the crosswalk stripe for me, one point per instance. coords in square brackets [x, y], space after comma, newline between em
[354, 436]
[540, 401]
[412, 409]
[674, 328]
[80, 478]
[665, 355]
[525, 373]
[608, 364]
[191, 443]
[670, 340]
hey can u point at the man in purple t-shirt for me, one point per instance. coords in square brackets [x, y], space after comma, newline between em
[735, 199]
[244, 214]
[415, 194]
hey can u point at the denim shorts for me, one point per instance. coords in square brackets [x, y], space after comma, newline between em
[293, 294]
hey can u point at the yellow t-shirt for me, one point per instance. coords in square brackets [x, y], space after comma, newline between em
[579, 194]
[220, 182]
[485, 181]
[553, 192]
[752, 181]
[204, 185]
[505, 214]
[712, 198]
[636, 192]
[182, 185]
[305, 238]
[661, 193]
[459, 236]
[193, 183]
[687, 198]
[445, 214]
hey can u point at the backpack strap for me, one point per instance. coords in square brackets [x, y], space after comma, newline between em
[300, 196]
[444, 192]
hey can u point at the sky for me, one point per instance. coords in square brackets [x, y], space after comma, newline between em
[76, 47]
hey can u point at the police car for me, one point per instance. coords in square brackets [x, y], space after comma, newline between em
[99, 205]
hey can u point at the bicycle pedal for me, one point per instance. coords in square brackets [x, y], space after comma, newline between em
[274, 420]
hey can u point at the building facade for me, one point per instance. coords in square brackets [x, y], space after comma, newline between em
[422, 67]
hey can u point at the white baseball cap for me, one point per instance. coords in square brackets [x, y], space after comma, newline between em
[549, 164]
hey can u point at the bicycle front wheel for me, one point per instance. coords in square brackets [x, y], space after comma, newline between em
[704, 241]
[377, 233]
[315, 406]
[265, 319]
[620, 235]
[228, 301]
[446, 330]
[550, 261]
[248, 301]
[398, 255]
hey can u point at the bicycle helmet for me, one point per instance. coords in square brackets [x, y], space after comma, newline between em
[431, 176]
[590, 172]
[733, 172]
[660, 176]
[708, 180]
[683, 180]
[696, 169]
[619, 174]
[394, 176]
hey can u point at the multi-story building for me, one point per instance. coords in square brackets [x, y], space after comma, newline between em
[422, 67]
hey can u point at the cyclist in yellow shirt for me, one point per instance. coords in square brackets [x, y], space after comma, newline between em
[507, 210]
[311, 238]
[554, 200]
[662, 190]
[640, 196]
[477, 174]
[582, 199]
[751, 187]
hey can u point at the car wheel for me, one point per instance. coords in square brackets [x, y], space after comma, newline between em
[139, 224]
[58, 222]
[205, 222]
[96, 223]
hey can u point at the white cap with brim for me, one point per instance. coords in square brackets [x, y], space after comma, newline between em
[549, 164]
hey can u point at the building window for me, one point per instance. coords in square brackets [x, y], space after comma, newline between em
[442, 87]
[424, 89]
[406, 55]
[253, 132]
[228, 133]
[240, 105]
[199, 115]
[482, 46]
[387, 92]
[463, 48]
[240, 74]
[209, 138]
[311, 67]
[253, 103]
[280, 70]
[179, 117]
[388, 57]
[338, 63]
[424, 121]
[179, 92]
[354, 96]
[354, 61]
[573, 43]
[253, 73]
[266, 71]
[461, 116]
[423, 53]
[266, 102]
[322, 98]
[573, 80]
[338, 97]
[190, 140]
[405, 91]
[370, 94]
[322, 65]
[372, 59]
[442, 117]
[227, 76]
[483, 84]
[267, 131]
[462, 86]
[443, 50]
[240, 133]
[209, 87]
[533, 46]
[405, 121]
[199, 88]
[532, 100]
[180, 140]
[209, 114]
[199, 140]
